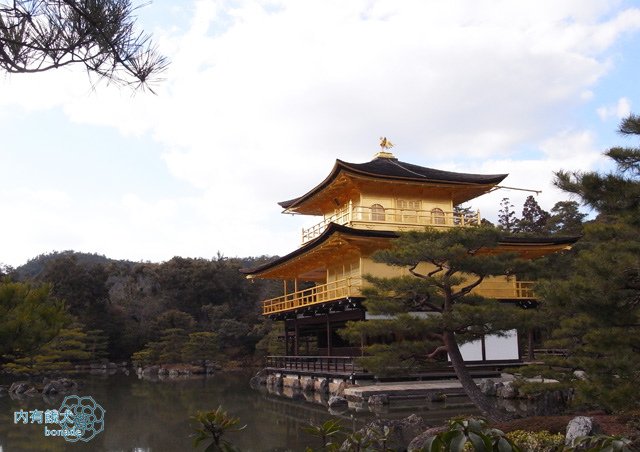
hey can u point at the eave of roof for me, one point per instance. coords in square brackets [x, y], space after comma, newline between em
[333, 228]
[393, 169]
[515, 240]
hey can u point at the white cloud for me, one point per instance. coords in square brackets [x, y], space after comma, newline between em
[568, 150]
[620, 110]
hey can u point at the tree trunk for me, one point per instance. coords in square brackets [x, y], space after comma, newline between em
[484, 404]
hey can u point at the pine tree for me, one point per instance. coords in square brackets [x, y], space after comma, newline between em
[507, 220]
[97, 344]
[534, 218]
[29, 317]
[60, 354]
[464, 216]
[599, 305]
[432, 310]
[201, 346]
[565, 219]
[37, 36]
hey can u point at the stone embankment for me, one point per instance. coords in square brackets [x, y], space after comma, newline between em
[47, 388]
[161, 371]
[105, 368]
[544, 402]
[301, 383]
[375, 397]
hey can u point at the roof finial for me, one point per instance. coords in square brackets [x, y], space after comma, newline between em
[385, 145]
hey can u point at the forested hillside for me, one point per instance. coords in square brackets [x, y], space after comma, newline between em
[107, 309]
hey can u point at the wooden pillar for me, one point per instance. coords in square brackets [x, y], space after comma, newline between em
[295, 337]
[484, 349]
[286, 340]
[328, 336]
[531, 354]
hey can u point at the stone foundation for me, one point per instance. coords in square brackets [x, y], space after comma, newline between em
[304, 383]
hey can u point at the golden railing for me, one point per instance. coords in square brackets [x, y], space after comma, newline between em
[350, 287]
[378, 215]
[506, 290]
[341, 217]
[335, 290]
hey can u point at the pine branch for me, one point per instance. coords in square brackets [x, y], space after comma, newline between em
[441, 349]
[465, 290]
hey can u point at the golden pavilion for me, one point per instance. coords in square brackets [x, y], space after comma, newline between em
[361, 207]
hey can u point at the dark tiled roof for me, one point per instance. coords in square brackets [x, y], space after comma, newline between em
[516, 240]
[393, 169]
[331, 229]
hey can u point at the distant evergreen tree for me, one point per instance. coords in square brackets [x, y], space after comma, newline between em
[201, 346]
[29, 318]
[5, 270]
[507, 220]
[97, 344]
[565, 219]
[81, 286]
[67, 348]
[174, 318]
[171, 344]
[177, 346]
[272, 343]
[534, 218]
[166, 350]
[464, 215]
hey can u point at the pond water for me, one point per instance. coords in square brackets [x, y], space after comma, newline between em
[153, 416]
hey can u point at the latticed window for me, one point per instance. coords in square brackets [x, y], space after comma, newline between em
[408, 210]
[437, 216]
[377, 212]
[408, 204]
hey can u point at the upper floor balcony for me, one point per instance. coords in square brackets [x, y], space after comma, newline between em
[500, 289]
[379, 217]
[321, 293]
[510, 289]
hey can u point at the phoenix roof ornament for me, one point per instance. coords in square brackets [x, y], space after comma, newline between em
[385, 144]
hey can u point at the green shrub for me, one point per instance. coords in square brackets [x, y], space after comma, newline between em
[536, 441]
[470, 435]
[604, 443]
[212, 426]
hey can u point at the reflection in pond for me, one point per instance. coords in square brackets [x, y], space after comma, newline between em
[153, 416]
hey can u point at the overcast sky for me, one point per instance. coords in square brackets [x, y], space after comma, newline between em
[262, 97]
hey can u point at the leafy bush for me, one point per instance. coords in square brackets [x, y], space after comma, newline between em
[536, 441]
[335, 437]
[328, 433]
[212, 425]
[603, 443]
[470, 435]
